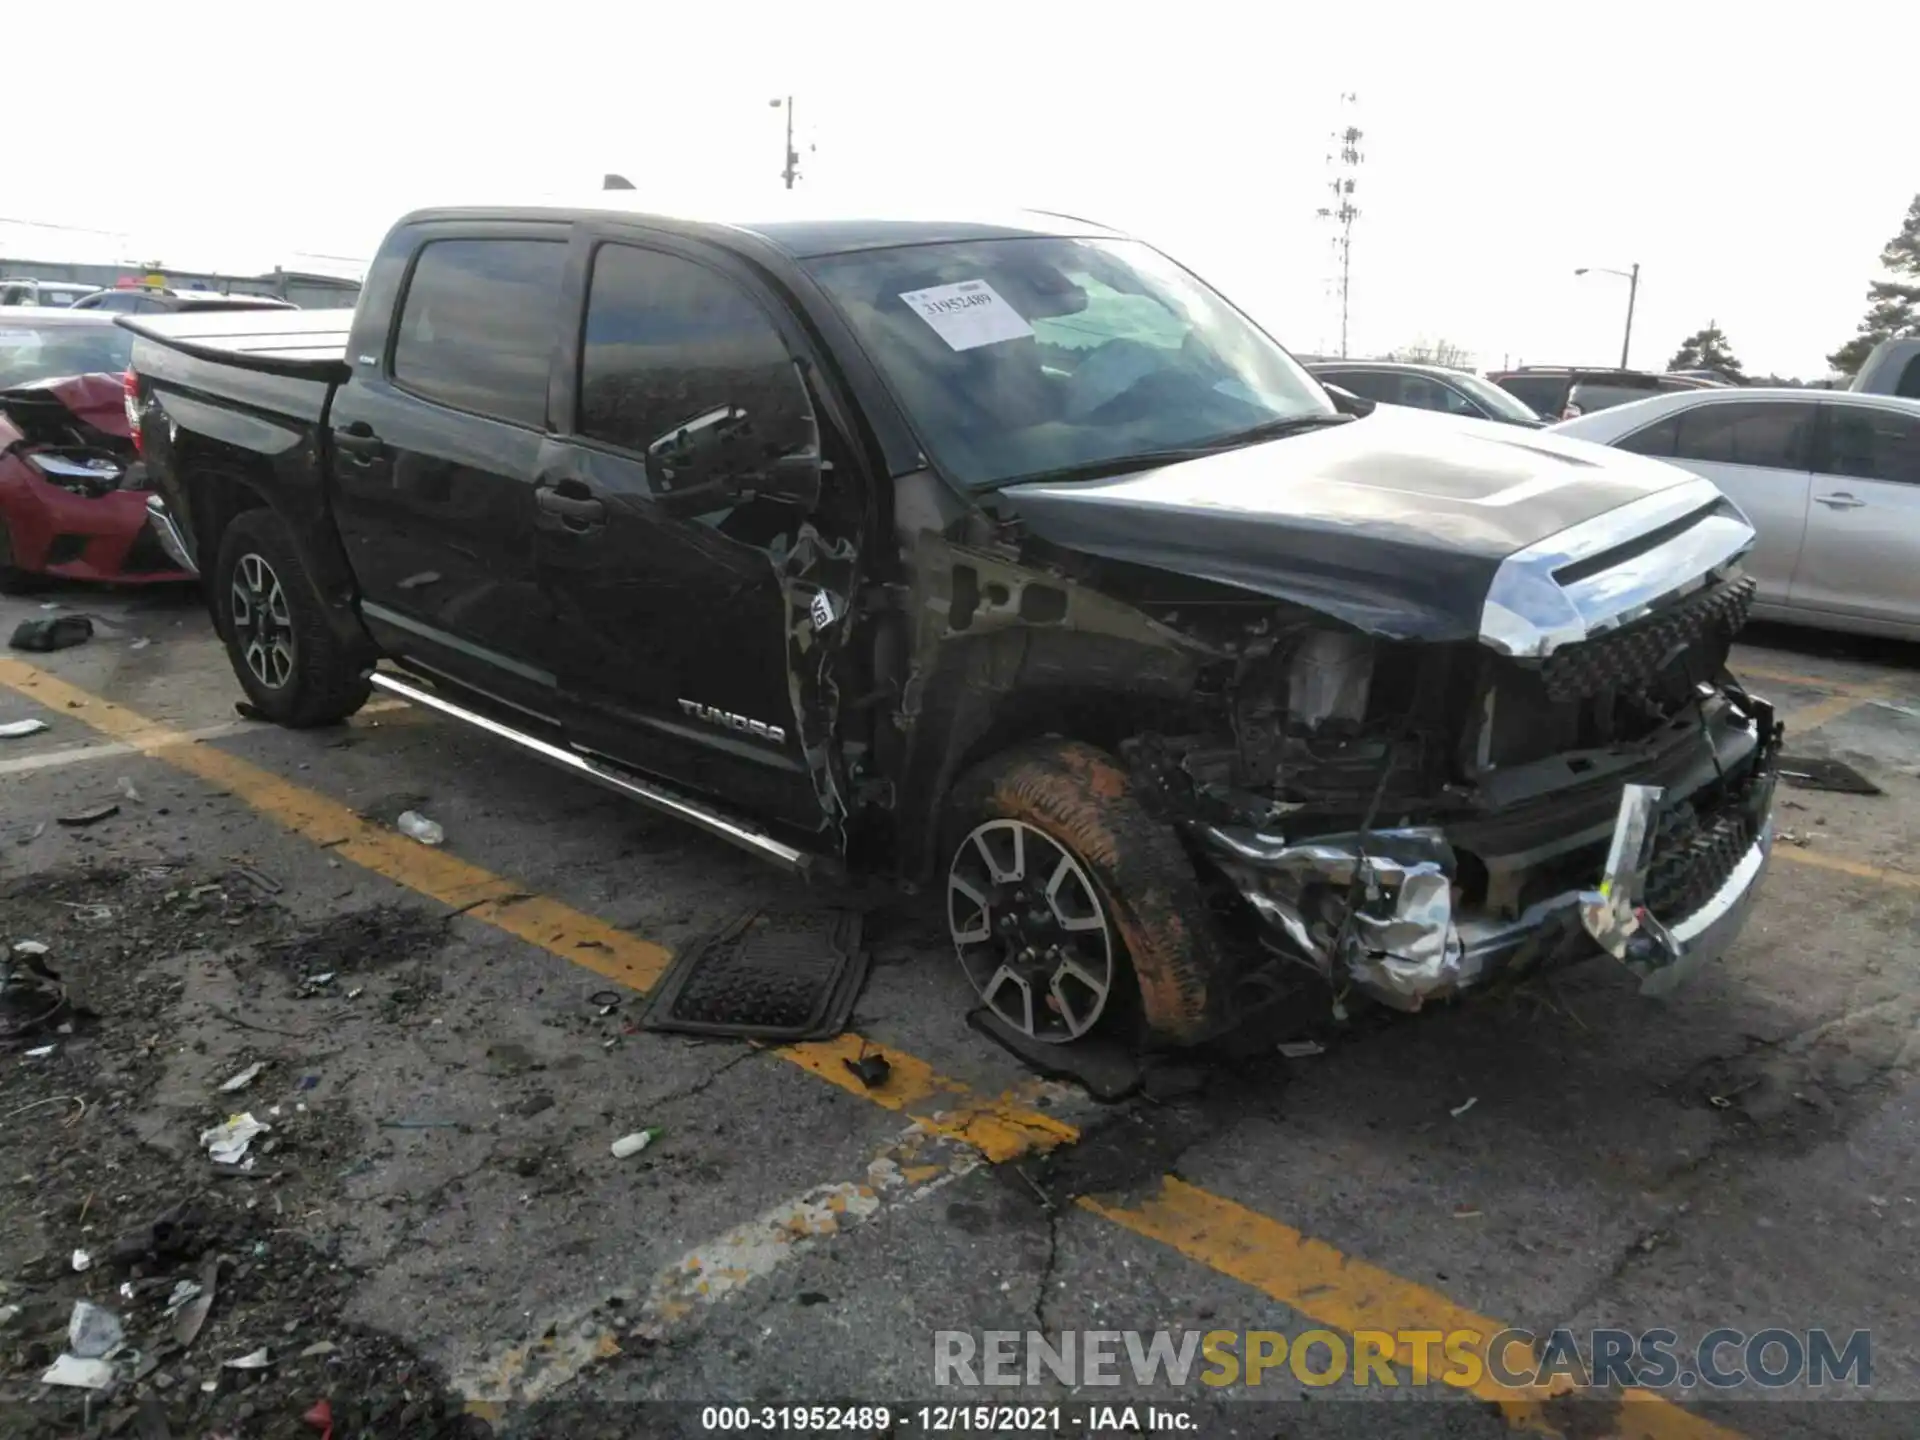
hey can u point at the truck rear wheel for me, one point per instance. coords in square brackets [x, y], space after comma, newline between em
[1071, 907]
[287, 658]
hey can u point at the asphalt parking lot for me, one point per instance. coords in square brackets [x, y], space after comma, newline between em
[1742, 1155]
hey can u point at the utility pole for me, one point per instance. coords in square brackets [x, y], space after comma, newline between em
[1344, 160]
[1632, 277]
[791, 171]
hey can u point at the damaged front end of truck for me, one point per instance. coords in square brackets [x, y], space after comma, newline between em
[1406, 806]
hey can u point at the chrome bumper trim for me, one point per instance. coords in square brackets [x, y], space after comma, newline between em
[168, 534]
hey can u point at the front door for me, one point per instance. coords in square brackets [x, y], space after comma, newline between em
[437, 446]
[1758, 453]
[1862, 555]
[672, 625]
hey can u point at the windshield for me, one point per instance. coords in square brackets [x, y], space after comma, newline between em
[1500, 402]
[1020, 357]
[51, 352]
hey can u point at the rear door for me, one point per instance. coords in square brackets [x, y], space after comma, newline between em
[1758, 452]
[671, 624]
[1862, 555]
[1545, 395]
[437, 446]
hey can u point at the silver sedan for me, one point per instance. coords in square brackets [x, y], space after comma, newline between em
[1830, 480]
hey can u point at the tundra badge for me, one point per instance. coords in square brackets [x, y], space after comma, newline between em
[759, 729]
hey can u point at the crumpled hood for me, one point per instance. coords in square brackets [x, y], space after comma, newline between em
[1394, 523]
[96, 401]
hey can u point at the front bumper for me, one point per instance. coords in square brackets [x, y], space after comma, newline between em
[1382, 912]
[54, 531]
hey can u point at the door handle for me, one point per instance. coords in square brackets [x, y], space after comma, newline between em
[356, 437]
[577, 512]
[1840, 500]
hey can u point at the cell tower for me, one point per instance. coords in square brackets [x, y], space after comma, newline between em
[1343, 165]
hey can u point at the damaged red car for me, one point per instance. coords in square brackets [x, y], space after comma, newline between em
[73, 500]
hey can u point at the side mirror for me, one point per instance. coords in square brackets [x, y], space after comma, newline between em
[723, 457]
[1348, 403]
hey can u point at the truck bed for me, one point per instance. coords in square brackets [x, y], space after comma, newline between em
[298, 344]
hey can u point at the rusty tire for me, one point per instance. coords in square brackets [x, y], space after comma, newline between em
[1079, 797]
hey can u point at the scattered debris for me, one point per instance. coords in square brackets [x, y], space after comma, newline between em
[93, 1332]
[93, 914]
[419, 1124]
[125, 786]
[1301, 1049]
[416, 826]
[142, 643]
[247, 710]
[252, 1360]
[60, 632]
[40, 1052]
[80, 1373]
[1796, 837]
[227, 1143]
[320, 1417]
[266, 882]
[317, 1349]
[18, 729]
[29, 947]
[82, 1261]
[636, 1142]
[185, 1292]
[244, 1078]
[193, 1313]
[1466, 1212]
[1461, 1109]
[1808, 773]
[1906, 710]
[90, 817]
[870, 1070]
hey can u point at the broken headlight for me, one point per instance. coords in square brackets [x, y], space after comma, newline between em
[1329, 677]
[90, 475]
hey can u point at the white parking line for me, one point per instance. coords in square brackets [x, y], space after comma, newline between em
[87, 754]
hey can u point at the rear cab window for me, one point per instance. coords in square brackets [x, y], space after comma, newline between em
[478, 324]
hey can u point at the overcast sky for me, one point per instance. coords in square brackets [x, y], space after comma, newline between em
[1749, 159]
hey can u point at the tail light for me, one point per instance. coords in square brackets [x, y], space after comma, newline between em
[130, 388]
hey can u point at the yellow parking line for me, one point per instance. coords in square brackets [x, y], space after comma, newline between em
[1343, 1293]
[1866, 689]
[1839, 865]
[1313, 1278]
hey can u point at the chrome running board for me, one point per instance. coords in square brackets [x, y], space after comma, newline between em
[799, 862]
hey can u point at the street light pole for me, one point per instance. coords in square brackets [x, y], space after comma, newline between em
[792, 170]
[1632, 277]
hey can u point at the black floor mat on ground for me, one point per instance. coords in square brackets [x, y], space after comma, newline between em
[769, 975]
[1803, 772]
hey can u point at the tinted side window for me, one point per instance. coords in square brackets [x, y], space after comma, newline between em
[1367, 384]
[1546, 394]
[1429, 394]
[1658, 439]
[1770, 433]
[1872, 444]
[667, 341]
[478, 323]
[1909, 385]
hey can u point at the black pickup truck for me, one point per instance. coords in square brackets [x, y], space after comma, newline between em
[999, 555]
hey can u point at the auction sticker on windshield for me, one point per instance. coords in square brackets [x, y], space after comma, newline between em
[968, 315]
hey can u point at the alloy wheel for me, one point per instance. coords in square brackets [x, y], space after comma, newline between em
[262, 623]
[1030, 930]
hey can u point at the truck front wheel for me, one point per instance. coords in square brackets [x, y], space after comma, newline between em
[1069, 905]
[292, 666]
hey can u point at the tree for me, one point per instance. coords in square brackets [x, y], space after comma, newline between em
[1893, 304]
[1434, 352]
[1706, 350]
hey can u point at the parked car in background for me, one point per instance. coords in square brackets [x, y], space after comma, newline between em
[72, 496]
[1829, 478]
[144, 300]
[1426, 387]
[1559, 392]
[53, 294]
[1892, 369]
